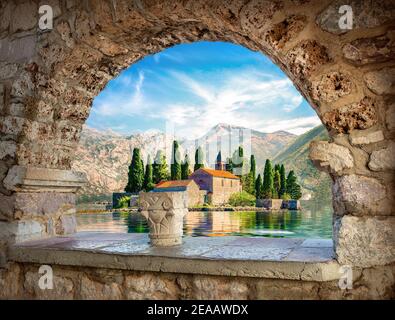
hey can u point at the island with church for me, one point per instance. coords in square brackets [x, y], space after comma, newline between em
[229, 185]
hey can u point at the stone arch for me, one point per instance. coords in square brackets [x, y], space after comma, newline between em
[48, 80]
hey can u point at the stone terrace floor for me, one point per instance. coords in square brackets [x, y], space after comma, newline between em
[284, 258]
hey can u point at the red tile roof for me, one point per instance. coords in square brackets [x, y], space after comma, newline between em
[219, 173]
[173, 183]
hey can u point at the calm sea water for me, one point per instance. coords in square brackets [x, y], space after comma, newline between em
[313, 221]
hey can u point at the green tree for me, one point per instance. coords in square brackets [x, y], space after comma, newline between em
[253, 167]
[283, 181]
[136, 173]
[258, 187]
[199, 159]
[176, 162]
[276, 184]
[248, 183]
[159, 169]
[293, 188]
[267, 188]
[148, 184]
[185, 172]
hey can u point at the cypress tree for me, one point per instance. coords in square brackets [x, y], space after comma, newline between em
[185, 172]
[159, 168]
[258, 187]
[276, 184]
[136, 173]
[293, 188]
[199, 159]
[148, 181]
[283, 181]
[175, 162]
[142, 165]
[267, 180]
[253, 166]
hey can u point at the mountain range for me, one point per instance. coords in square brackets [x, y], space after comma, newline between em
[105, 156]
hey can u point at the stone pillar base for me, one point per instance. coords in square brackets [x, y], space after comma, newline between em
[165, 241]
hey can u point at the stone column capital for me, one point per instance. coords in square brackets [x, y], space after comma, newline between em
[164, 212]
[33, 179]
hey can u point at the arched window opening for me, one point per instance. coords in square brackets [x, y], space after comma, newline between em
[196, 112]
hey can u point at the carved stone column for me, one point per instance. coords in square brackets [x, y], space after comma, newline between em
[40, 203]
[164, 212]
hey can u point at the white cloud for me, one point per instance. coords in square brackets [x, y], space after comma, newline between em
[117, 103]
[247, 98]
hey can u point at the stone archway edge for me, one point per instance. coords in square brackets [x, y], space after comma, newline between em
[33, 179]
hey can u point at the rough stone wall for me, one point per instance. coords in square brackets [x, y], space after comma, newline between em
[48, 81]
[21, 282]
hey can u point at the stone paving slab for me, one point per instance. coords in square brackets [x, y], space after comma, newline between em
[286, 258]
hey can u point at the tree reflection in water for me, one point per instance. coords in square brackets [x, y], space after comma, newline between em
[314, 220]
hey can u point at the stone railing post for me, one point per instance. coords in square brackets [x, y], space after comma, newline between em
[164, 212]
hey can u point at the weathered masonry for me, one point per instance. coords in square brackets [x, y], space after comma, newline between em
[47, 83]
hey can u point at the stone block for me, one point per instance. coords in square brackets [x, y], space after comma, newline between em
[63, 287]
[271, 204]
[20, 178]
[362, 137]
[216, 288]
[7, 149]
[22, 86]
[267, 289]
[20, 49]
[291, 205]
[24, 17]
[370, 50]
[18, 231]
[11, 125]
[358, 115]
[29, 204]
[256, 14]
[331, 156]
[383, 159]
[8, 70]
[5, 15]
[284, 31]
[306, 57]
[366, 14]
[94, 290]
[364, 241]
[149, 286]
[390, 117]
[357, 194]
[381, 81]
[331, 86]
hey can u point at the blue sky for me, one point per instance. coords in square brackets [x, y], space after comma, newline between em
[195, 86]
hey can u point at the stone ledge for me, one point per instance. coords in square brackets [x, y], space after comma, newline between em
[32, 179]
[303, 259]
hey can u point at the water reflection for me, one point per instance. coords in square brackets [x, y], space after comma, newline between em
[315, 221]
